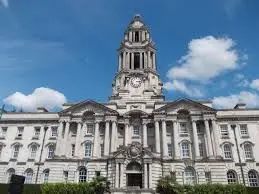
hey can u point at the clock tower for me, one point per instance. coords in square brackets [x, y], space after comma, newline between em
[137, 77]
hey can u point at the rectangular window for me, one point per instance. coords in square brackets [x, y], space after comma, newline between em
[16, 151]
[170, 150]
[73, 148]
[208, 177]
[90, 128]
[224, 131]
[135, 130]
[185, 150]
[33, 152]
[1, 150]
[54, 131]
[102, 150]
[3, 132]
[243, 130]
[65, 175]
[37, 132]
[150, 132]
[183, 129]
[201, 149]
[20, 132]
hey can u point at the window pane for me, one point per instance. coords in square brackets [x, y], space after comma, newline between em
[253, 178]
[189, 176]
[232, 177]
[227, 151]
[224, 130]
[248, 151]
[243, 130]
[88, 149]
[82, 175]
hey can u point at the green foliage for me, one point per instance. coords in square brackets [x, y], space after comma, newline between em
[97, 186]
[252, 190]
[167, 185]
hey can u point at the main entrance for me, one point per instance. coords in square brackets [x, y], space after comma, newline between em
[134, 175]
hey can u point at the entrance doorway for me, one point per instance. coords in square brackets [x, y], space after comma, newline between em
[134, 180]
[134, 175]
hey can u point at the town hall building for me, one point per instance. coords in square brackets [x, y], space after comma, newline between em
[134, 138]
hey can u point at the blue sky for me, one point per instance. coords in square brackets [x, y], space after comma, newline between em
[70, 46]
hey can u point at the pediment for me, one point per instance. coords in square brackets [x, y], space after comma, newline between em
[184, 104]
[88, 106]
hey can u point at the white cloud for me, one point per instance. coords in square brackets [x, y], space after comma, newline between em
[240, 80]
[255, 84]
[249, 98]
[207, 58]
[5, 3]
[182, 87]
[45, 97]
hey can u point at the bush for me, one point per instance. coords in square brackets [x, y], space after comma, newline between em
[97, 186]
[167, 185]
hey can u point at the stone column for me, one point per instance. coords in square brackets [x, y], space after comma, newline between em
[145, 176]
[195, 140]
[144, 134]
[124, 60]
[119, 66]
[176, 147]
[107, 138]
[114, 137]
[148, 59]
[164, 136]
[96, 149]
[117, 176]
[60, 139]
[66, 146]
[128, 60]
[157, 137]
[140, 62]
[121, 175]
[130, 36]
[78, 135]
[207, 128]
[216, 137]
[145, 60]
[143, 35]
[132, 60]
[126, 138]
[150, 175]
[154, 62]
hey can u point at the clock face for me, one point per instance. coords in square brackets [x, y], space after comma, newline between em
[135, 82]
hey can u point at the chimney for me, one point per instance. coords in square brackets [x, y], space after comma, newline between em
[240, 105]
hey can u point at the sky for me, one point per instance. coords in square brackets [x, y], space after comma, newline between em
[57, 51]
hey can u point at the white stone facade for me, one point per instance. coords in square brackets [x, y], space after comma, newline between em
[136, 137]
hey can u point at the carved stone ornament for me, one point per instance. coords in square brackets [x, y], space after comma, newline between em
[134, 150]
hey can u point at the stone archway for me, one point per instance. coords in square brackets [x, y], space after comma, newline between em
[134, 175]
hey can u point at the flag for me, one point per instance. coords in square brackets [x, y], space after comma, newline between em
[2, 110]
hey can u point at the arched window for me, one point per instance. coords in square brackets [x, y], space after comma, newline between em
[88, 149]
[185, 148]
[9, 173]
[34, 149]
[253, 178]
[189, 176]
[248, 151]
[46, 176]
[51, 151]
[231, 176]
[28, 176]
[82, 175]
[227, 151]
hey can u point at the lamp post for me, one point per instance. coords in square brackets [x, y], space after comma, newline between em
[233, 126]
